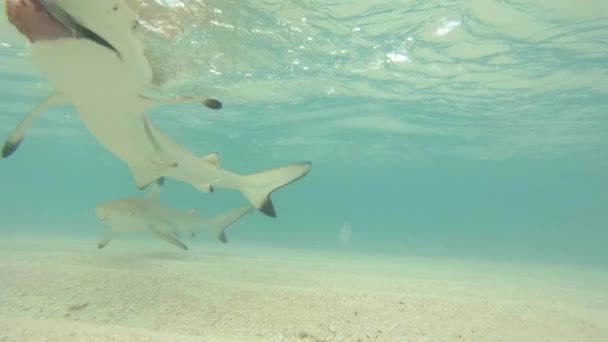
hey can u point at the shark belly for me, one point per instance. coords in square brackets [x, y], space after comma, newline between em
[78, 67]
[105, 91]
[119, 131]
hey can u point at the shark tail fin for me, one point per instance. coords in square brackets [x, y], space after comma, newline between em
[220, 223]
[257, 187]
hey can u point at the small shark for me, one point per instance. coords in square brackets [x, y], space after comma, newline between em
[91, 54]
[140, 214]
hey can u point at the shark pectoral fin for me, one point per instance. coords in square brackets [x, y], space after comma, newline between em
[175, 232]
[17, 135]
[191, 229]
[147, 174]
[213, 158]
[105, 239]
[168, 238]
[210, 103]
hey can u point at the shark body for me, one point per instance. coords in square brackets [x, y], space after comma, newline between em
[97, 65]
[148, 214]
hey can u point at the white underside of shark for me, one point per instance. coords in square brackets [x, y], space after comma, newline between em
[105, 87]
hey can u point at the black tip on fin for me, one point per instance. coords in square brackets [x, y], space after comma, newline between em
[101, 245]
[10, 147]
[142, 187]
[267, 208]
[211, 188]
[159, 182]
[212, 103]
[222, 237]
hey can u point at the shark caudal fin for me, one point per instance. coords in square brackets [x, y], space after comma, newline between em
[257, 187]
[217, 225]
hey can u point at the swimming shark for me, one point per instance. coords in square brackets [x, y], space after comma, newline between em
[91, 53]
[147, 213]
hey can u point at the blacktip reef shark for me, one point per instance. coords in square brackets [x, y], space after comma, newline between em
[91, 54]
[147, 213]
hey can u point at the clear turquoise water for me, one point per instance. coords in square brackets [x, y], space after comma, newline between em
[455, 128]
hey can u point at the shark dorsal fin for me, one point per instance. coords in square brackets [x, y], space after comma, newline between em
[213, 158]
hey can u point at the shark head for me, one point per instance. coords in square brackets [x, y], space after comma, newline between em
[107, 23]
[84, 47]
[118, 213]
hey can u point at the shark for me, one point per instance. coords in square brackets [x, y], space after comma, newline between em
[92, 54]
[148, 214]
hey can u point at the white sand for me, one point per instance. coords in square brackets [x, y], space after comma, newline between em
[54, 290]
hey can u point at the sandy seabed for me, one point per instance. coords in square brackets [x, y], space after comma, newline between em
[54, 289]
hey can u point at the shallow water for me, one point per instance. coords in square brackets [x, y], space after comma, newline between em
[438, 128]
[458, 187]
